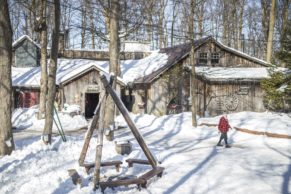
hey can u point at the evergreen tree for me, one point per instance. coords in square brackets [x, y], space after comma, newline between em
[278, 86]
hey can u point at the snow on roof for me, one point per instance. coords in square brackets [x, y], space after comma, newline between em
[26, 77]
[67, 69]
[19, 40]
[242, 54]
[71, 68]
[228, 74]
[133, 69]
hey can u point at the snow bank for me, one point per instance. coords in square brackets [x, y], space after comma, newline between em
[139, 120]
[25, 118]
[71, 109]
[271, 122]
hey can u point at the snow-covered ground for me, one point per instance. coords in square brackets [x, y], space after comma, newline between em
[25, 118]
[193, 164]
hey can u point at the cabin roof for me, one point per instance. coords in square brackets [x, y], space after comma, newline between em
[177, 53]
[223, 74]
[21, 39]
[242, 74]
[68, 69]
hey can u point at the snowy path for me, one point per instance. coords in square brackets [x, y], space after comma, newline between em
[255, 164]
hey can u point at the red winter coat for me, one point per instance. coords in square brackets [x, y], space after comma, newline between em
[223, 125]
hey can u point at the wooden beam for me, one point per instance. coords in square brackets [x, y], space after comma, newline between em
[90, 132]
[129, 121]
[96, 176]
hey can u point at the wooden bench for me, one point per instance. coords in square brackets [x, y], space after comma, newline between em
[158, 171]
[115, 163]
[131, 161]
[140, 181]
[111, 184]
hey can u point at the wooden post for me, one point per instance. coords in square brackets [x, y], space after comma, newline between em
[96, 176]
[130, 123]
[90, 131]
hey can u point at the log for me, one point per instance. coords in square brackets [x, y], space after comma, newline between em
[96, 176]
[126, 182]
[129, 121]
[115, 163]
[76, 178]
[131, 161]
[158, 171]
[90, 132]
[140, 181]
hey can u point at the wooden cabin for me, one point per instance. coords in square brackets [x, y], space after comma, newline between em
[152, 82]
[26, 52]
[77, 82]
[82, 87]
[169, 87]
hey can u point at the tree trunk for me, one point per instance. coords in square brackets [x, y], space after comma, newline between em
[6, 136]
[43, 62]
[84, 24]
[193, 74]
[284, 22]
[225, 34]
[161, 24]
[265, 23]
[114, 67]
[174, 15]
[201, 18]
[52, 74]
[271, 31]
[92, 29]
[240, 26]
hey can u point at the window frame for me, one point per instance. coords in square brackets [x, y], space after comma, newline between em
[215, 57]
[204, 59]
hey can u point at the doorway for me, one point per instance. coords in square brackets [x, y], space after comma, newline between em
[91, 101]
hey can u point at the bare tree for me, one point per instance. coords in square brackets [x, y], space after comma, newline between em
[271, 31]
[92, 26]
[284, 14]
[200, 17]
[240, 24]
[47, 133]
[174, 16]
[6, 136]
[265, 4]
[193, 73]
[161, 19]
[114, 50]
[42, 27]
[84, 23]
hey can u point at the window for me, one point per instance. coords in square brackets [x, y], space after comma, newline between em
[215, 58]
[203, 58]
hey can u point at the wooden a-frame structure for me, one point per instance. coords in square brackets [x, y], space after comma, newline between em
[98, 120]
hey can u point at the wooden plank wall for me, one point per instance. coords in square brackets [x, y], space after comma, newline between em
[26, 55]
[229, 98]
[210, 97]
[227, 59]
[164, 89]
[74, 92]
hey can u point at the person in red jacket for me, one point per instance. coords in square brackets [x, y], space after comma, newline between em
[223, 127]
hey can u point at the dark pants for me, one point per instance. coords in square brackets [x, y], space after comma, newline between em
[223, 136]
